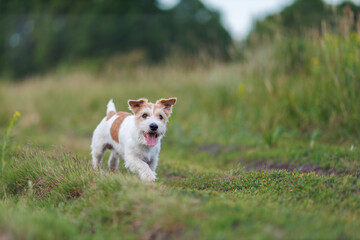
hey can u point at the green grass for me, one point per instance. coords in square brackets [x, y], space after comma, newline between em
[62, 191]
[222, 171]
[310, 84]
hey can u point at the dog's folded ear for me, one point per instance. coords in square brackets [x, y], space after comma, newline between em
[167, 105]
[136, 105]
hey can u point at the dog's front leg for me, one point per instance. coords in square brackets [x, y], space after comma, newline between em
[153, 163]
[136, 165]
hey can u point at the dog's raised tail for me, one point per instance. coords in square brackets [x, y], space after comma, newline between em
[110, 106]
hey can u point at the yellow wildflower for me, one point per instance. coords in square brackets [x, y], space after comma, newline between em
[241, 89]
[315, 61]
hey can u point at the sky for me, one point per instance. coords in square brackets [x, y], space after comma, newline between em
[238, 16]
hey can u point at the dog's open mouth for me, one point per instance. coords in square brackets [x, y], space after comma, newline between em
[151, 138]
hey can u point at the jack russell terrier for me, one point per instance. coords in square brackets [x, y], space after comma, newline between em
[136, 138]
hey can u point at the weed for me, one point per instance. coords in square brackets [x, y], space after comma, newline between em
[313, 137]
[6, 138]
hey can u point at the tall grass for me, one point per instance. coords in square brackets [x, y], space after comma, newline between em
[305, 84]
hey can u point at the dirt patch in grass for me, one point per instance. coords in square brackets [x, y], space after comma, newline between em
[5, 236]
[306, 168]
[74, 194]
[172, 232]
[216, 148]
[211, 148]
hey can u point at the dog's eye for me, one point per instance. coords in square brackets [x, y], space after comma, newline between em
[144, 115]
[161, 117]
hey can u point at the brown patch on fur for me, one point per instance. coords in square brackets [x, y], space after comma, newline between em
[137, 105]
[165, 105]
[110, 114]
[114, 130]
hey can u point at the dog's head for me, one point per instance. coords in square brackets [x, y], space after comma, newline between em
[151, 118]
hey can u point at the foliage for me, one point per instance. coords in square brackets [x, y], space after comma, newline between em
[38, 35]
[303, 16]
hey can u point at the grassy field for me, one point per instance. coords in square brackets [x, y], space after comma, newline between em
[250, 152]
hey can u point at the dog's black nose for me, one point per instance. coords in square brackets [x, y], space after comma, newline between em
[153, 127]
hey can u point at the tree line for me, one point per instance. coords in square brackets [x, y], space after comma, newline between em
[36, 35]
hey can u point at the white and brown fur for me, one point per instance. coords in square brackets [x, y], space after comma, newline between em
[133, 137]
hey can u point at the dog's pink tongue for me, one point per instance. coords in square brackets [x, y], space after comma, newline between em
[150, 139]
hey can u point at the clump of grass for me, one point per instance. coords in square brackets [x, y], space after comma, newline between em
[45, 174]
[272, 136]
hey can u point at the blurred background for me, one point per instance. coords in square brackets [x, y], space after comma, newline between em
[38, 35]
[270, 69]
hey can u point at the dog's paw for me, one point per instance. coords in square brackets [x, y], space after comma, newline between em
[148, 176]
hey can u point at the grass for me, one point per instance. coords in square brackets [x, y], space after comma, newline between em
[311, 84]
[234, 164]
[66, 194]
[6, 138]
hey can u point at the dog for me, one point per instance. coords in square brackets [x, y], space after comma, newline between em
[136, 138]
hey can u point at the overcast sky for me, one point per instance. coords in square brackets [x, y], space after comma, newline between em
[239, 15]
